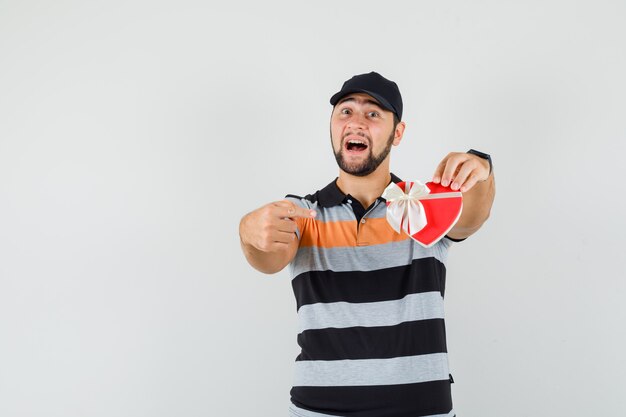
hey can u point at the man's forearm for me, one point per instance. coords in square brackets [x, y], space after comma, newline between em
[477, 204]
[266, 262]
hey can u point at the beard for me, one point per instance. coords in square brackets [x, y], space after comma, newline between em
[367, 165]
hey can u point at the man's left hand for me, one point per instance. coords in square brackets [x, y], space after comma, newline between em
[461, 171]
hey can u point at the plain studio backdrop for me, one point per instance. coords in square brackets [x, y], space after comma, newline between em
[134, 135]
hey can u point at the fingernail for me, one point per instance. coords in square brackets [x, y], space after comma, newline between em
[463, 189]
[455, 186]
[436, 179]
[445, 183]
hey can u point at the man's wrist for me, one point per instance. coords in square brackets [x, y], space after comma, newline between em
[483, 156]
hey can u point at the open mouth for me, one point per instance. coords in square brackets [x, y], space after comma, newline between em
[355, 146]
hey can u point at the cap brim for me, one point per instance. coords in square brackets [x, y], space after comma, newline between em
[384, 103]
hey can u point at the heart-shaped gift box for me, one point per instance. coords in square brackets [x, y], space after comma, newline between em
[426, 212]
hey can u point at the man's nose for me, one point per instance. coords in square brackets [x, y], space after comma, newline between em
[357, 121]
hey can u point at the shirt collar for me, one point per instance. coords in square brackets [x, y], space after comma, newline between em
[331, 195]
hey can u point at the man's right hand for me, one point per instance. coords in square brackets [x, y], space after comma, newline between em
[271, 228]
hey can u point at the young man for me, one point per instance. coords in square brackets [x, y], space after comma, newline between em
[370, 300]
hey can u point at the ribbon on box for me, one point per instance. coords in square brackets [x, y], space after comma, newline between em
[405, 210]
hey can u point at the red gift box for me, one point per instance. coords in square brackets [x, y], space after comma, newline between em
[426, 212]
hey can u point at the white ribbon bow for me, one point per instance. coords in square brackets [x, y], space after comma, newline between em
[405, 211]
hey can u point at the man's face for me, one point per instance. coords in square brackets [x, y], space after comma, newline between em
[362, 134]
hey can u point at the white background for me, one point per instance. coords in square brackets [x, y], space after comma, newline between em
[134, 135]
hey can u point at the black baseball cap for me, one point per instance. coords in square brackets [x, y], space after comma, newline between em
[377, 86]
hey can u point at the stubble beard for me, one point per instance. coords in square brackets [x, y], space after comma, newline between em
[368, 165]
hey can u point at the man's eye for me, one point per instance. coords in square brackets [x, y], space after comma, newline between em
[373, 114]
[345, 111]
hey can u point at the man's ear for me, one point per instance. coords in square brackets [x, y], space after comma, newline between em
[398, 133]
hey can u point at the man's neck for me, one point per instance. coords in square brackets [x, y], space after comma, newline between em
[365, 189]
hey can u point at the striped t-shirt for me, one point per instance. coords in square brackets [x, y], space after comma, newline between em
[370, 314]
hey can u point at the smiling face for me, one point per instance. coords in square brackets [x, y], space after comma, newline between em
[362, 133]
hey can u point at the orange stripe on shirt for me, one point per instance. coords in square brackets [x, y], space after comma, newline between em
[344, 233]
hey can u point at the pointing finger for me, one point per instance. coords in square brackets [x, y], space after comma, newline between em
[300, 212]
[292, 210]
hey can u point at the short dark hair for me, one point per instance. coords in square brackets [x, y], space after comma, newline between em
[395, 121]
